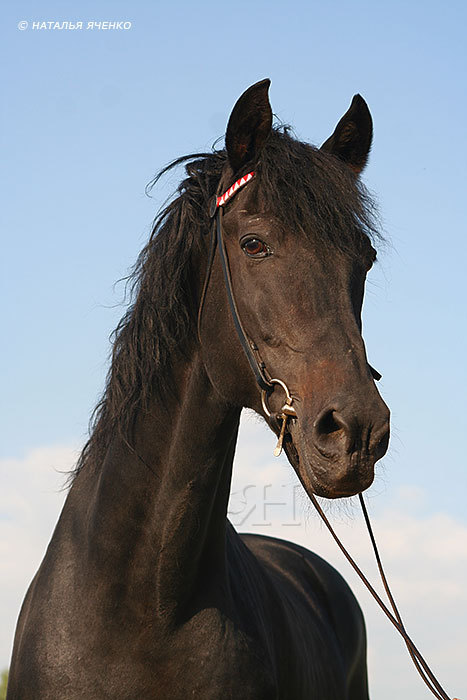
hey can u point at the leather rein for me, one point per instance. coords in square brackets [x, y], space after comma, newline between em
[267, 384]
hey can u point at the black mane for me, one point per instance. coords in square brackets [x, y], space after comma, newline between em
[308, 190]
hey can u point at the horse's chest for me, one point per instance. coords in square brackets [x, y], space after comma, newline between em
[212, 658]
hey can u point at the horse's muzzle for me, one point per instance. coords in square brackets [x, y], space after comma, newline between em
[335, 454]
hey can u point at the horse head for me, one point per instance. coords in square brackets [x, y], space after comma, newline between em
[298, 244]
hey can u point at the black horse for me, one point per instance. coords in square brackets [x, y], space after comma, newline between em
[146, 591]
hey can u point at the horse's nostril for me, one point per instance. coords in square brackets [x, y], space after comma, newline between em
[330, 433]
[338, 433]
[380, 441]
[328, 423]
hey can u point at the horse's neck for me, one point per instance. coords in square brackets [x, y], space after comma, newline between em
[156, 519]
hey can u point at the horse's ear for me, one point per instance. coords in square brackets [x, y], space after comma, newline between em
[351, 140]
[249, 125]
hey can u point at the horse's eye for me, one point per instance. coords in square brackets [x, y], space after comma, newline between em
[255, 248]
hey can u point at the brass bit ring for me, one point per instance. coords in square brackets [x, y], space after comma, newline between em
[288, 400]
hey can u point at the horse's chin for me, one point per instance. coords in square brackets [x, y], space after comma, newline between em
[328, 478]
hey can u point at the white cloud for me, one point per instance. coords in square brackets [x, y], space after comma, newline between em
[425, 554]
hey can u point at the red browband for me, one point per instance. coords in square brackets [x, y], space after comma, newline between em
[224, 198]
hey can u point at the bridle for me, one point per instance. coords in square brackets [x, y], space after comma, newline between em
[263, 378]
[267, 384]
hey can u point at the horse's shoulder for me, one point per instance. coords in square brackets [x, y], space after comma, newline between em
[299, 571]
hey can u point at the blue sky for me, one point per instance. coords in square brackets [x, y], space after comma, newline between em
[91, 115]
